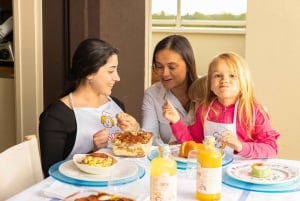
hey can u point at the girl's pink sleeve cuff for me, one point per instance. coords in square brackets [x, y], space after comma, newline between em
[179, 130]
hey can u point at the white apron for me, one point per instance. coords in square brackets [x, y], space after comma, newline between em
[91, 120]
[217, 129]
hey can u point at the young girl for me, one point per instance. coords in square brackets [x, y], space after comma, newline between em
[229, 111]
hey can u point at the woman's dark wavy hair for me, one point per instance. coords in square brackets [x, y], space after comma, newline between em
[181, 46]
[89, 56]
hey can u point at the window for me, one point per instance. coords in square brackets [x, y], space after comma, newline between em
[199, 14]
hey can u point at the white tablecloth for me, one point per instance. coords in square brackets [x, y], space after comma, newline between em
[44, 190]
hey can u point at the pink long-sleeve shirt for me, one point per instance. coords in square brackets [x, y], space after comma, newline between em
[263, 141]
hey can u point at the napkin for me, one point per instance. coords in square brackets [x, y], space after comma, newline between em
[59, 190]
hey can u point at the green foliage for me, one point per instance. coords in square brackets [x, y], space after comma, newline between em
[201, 16]
[163, 16]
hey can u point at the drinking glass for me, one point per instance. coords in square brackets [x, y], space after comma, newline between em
[112, 184]
[116, 187]
[191, 164]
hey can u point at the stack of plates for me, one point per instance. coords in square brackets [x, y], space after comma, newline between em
[285, 178]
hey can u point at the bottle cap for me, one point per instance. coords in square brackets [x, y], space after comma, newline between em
[164, 150]
[209, 140]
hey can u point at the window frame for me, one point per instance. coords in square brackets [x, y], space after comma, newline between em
[181, 24]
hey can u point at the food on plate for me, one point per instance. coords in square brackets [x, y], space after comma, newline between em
[133, 144]
[98, 160]
[98, 163]
[260, 170]
[188, 146]
[223, 145]
[103, 196]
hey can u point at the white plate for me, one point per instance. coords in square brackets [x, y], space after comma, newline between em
[123, 169]
[99, 170]
[281, 173]
[175, 149]
[175, 154]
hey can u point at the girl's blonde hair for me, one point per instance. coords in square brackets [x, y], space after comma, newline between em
[247, 102]
[197, 91]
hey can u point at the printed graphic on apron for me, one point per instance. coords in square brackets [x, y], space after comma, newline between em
[107, 120]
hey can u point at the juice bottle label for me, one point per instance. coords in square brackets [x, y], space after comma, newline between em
[208, 180]
[163, 188]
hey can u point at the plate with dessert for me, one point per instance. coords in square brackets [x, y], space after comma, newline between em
[263, 172]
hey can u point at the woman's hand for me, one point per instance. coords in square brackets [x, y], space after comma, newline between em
[100, 139]
[169, 112]
[127, 122]
[232, 141]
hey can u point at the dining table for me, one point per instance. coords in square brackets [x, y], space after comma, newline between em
[60, 184]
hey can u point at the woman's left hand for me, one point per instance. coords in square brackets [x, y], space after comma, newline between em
[232, 141]
[100, 139]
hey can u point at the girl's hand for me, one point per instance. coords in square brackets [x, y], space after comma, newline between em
[100, 139]
[127, 122]
[232, 141]
[169, 112]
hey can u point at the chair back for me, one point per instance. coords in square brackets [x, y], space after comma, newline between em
[20, 167]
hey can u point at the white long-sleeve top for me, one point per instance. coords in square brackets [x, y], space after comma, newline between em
[153, 119]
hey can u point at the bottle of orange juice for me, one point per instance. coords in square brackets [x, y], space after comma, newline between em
[163, 176]
[209, 171]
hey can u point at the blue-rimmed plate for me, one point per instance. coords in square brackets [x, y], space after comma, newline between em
[182, 164]
[281, 173]
[291, 186]
[81, 179]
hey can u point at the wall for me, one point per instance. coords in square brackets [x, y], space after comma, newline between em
[7, 90]
[206, 46]
[7, 114]
[272, 50]
[126, 30]
[54, 52]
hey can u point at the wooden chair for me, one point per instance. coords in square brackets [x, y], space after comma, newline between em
[20, 167]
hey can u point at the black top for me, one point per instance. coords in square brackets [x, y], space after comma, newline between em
[57, 133]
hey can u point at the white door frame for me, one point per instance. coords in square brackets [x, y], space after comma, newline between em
[28, 65]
